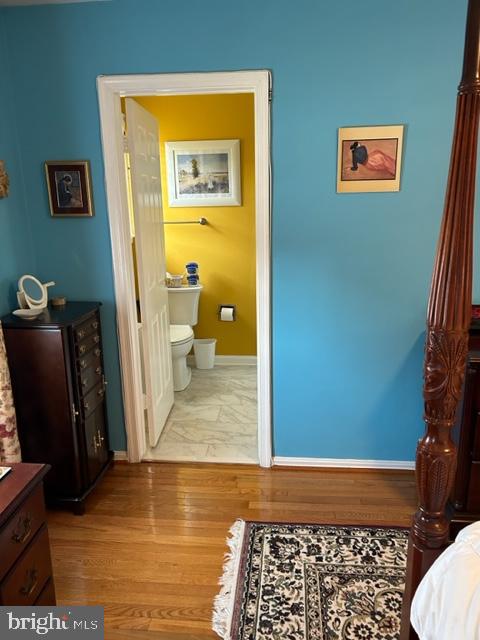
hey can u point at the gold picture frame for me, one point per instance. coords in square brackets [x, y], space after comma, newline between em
[369, 159]
[4, 180]
[69, 188]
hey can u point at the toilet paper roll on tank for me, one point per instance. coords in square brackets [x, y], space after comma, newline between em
[227, 313]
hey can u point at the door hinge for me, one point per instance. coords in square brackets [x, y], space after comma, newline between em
[270, 95]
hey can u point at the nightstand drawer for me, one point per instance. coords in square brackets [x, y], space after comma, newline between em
[19, 530]
[26, 580]
[47, 597]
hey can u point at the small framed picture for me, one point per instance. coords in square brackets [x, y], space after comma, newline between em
[69, 188]
[369, 158]
[203, 173]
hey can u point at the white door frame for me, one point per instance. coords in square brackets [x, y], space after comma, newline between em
[110, 91]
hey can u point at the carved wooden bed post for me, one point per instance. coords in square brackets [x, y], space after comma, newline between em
[448, 321]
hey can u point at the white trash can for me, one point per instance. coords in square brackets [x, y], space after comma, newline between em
[204, 349]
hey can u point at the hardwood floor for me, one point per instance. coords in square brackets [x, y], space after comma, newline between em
[150, 547]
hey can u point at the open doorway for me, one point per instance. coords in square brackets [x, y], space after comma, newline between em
[207, 159]
[111, 90]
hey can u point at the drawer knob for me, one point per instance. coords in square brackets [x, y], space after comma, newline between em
[101, 392]
[32, 580]
[83, 364]
[83, 348]
[86, 405]
[97, 352]
[98, 371]
[23, 529]
[81, 333]
[95, 325]
[96, 338]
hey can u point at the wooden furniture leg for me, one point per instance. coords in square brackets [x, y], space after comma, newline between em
[448, 321]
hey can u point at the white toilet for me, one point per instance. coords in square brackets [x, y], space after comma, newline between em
[183, 309]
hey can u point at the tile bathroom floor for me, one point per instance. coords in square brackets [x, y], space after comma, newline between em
[214, 419]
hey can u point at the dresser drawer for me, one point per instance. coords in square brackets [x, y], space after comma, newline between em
[83, 330]
[91, 401]
[26, 580]
[89, 343]
[92, 359]
[19, 530]
[91, 376]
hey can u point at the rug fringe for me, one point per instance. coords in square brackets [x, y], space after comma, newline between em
[223, 606]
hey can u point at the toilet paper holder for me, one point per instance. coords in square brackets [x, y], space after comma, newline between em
[227, 308]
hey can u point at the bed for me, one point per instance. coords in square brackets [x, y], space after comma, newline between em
[446, 349]
[446, 605]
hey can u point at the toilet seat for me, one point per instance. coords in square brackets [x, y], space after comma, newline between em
[180, 333]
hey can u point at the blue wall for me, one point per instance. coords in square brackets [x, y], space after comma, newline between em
[350, 271]
[16, 253]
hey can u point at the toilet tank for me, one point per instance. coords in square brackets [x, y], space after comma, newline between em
[183, 304]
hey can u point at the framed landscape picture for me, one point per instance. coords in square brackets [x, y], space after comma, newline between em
[369, 158]
[203, 173]
[69, 188]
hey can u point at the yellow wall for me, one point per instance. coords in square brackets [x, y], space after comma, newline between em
[225, 248]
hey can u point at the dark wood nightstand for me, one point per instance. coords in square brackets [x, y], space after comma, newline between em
[25, 566]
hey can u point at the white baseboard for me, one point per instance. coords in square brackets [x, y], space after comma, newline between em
[342, 463]
[227, 360]
[120, 455]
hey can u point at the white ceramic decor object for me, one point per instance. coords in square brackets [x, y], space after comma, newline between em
[32, 292]
[27, 314]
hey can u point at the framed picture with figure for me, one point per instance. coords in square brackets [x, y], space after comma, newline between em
[69, 188]
[369, 158]
[203, 173]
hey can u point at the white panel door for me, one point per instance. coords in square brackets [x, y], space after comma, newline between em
[143, 146]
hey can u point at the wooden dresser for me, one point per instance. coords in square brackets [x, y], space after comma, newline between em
[25, 567]
[465, 497]
[58, 382]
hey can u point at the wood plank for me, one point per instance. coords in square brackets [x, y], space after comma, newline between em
[150, 547]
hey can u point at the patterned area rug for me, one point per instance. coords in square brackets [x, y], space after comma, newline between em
[311, 582]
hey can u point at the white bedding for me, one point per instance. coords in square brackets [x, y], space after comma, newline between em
[446, 605]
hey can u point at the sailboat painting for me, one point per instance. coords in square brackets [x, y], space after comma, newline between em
[203, 173]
